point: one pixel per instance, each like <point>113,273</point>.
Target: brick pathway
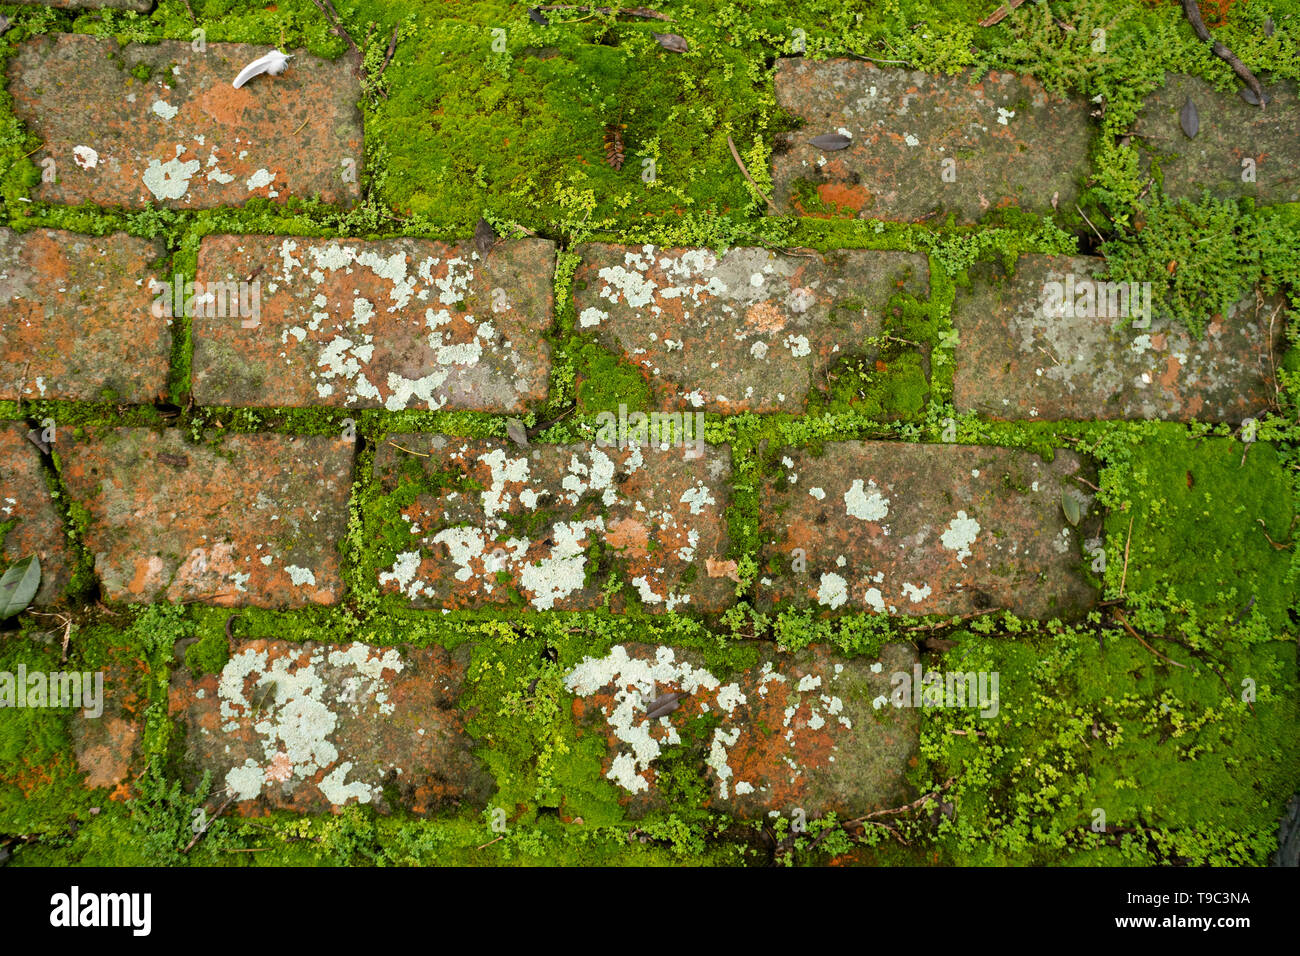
<point>632,524</point>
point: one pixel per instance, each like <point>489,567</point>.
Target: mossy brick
<point>78,321</point>
<point>1002,140</point>
<point>1056,341</point>
<point>747,330</point>
<point>1239,150</point>
<point>29,522</point>
<point>399,323</point>
<point>311,727</point>
<point>108,746</point>
<point>910,529</point>
<point>254,520</point>
<point>806,731</point>
<point>184,137</point>
<point>475,523</point>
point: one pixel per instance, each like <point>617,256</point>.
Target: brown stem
<point>1193,14</point>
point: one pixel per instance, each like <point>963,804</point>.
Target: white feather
<point>273,63</point>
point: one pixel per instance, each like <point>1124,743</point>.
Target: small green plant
<point>18,586</point>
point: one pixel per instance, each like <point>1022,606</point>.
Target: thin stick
<point>1088,221</point>
<point>211,820</point>
<point>388,57</point>
<point>1000,14</point>
<point>1193,14</point>
<point>327,8</point>
<point>735,154</point>
<point>407,450</point>
<point>1119,616</point>
<point>490,842</point>
<point>253,849</point>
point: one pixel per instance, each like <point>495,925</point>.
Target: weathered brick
<point>107,746</point>
<point>1020,358</point>
<point>78,320</point>
<point>910,529</point>
<point>29,522</point>
<point>1013,143</point>
<point>751,330</point>
<point>255,520</point>
<point>485,524</point>
<point>1231,131</point>
<point>308,727</point>
<point>396,323</point>
<point>803,731</point>
<point>185,137</point>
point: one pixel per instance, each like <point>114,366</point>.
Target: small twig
<point>952,622</point>
<point>207,823</point>
<point>327,9</point>
<point>966,733</point>
<point>1085,481</point>
<point>490,842</point>
<point>1088,221</point>
<point>1119,616</point>
<point>1277,545</point>
<point>388,57</point>
<point>1000,14</point>
<point>1193,14</point>
<point>407,450</point>
<point>251,849</point>
<point>735,154</point>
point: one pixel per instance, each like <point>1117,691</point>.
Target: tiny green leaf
<point>1070,505</point>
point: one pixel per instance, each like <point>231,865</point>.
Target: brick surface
<point>1020,358</point>
<point>1014,144</point>
<point>77,321</point>
<point>802,731</point>
<point>29,522</point>
<point>309,727</point>
<point>485,524</point>
<point>255,520</point>
<point>108,747</point>
<point>912,529</point>
<point>400,323</point>
<point>185,137</point>
<point>750,330</point>
<point>1231,131</point>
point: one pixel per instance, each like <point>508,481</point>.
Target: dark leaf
<point>1268,27</point>
<point>1190,119</point>
<point>518,434</point>
<point>18,586</point>
<point>665,705</point>
<point>614,149</point>
<point>4,24</point>
<point>829,142</point>
<point>538,17</point>
<point>671,42</point>
<point>485,237</point>
<point>1249,96</point>
<point>35,438</point>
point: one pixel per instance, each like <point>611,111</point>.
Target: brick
<point>255,520</point>
<point>803,731</point>
<point>1231,132</point>
<point>1014,143</point>
<point>400,323</point>
<point>750,330</point>
<point>29,522</point>
<point>108,747</point>
<point>909,529</point>
<point>481,524</point>
<point>308,727</point>
<point>78,320</point>
<point>185,137</point>
<point>1020,359</point>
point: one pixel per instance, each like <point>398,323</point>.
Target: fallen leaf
<point>829,142</point>
<point>538,17</point>
<point>671,42</point>
<point>1249,96</point>
<point>517,432</point>
<point>1189,119</point>
<point>485,237</point>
